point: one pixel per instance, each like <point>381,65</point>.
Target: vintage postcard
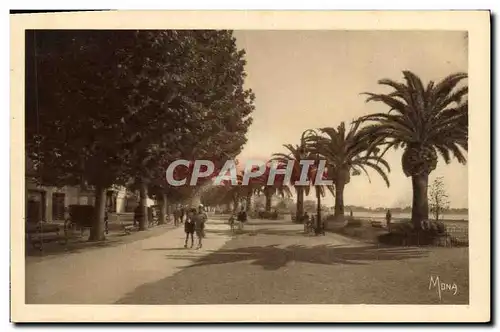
<point>268,166</point>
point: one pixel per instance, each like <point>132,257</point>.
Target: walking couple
<point>195,223</point>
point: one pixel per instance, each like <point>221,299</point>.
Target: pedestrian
<point>177,216</point>
<point>106,221</point>
<point>189,227</point>
<point>200,219</point>
<point>388,217</point>
<point>242,218</point>
<point>305,220</point>
<point>312,222</point>
<point>182,213</point>
<point>137,215</point>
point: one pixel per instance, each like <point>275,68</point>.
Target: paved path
<point>271,262</point>
<point>104,275</point>
<point>274,263</point>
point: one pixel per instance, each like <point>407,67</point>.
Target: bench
<point>41,233</point>
<point>377,224</point>
<point>127,229</point>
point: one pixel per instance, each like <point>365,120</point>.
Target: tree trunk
<point>97,230</point>
<point>163,209</point>
<point>299,210</point>
<point>269,198</point>
<point>248,202</point>
<point>195,199</point>
<point>318,211</point>
<point>235,204</point>
<point>339,201</point>
<point>143,222</point>
<point>420,207</point>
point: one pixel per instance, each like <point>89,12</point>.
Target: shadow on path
<point>272,257</point>
<point>261,231</point>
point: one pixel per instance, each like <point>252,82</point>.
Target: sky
<point>312,79</point>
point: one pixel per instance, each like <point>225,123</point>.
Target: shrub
<point>405,227</point>
<point>404,234</point>
<point>351,222</point>
<point>329,218</point>
<point>268,215</point>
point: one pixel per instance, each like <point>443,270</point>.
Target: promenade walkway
<point>104,275</point>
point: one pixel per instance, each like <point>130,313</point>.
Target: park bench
<point>128,229</point>
<point>377,224</point>
<point>37,234</point>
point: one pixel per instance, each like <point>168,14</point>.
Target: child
<point>231,223</point>
<point>189,227</point>
<point>242,217</point>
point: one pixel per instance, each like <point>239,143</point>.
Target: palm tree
<point>348,152</point>
<point>253,187</point>
<point>278,187</point>
<point>296,153</point>
<point>269,191</point>
<point>427,121</point>
<point>320,191</point>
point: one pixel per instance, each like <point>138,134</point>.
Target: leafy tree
<point>347,153</point>
<point>209,74</point>
<point>425,121</point>
<point>117,105</point>
<point>73,117</point>
<point>438,198</point>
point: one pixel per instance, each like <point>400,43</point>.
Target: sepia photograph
<point>228,164</point>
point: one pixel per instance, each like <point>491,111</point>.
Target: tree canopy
<point>114,107</point>
<point>106,106</point>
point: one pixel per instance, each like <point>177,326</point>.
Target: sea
<point>402,216</point>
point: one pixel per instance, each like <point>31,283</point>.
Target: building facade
<point>48,204</point>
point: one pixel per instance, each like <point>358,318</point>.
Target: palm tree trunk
<point>420,207</point>
<point>235,203</point>
<point>318,211</point>
<point>248,202</point>
<point>299,211</point>
<point>339,201</point>
<point>269,198</point>
<point>97,230</point>
<point>163,209</point>
<point>143,222</point>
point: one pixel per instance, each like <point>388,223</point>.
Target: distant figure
<point>106,221</point>
<point>177,215</point>
<point>388,217</point>
<point>183,212</point>
<point>320,229</point>
<point>425,225</point>
<point>200,219</point>
<point>231,222</point>
<point>305,220</point>
<point>350,213</point>
<point>242,218</point>
<point>137,215</point>
<point>189,227</point>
